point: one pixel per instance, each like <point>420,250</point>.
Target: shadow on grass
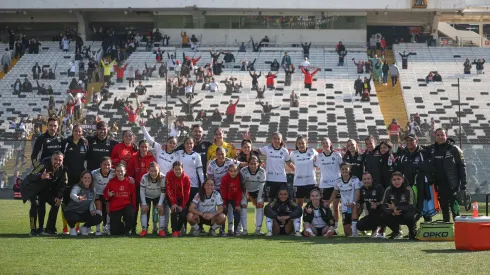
<point>444,251</point>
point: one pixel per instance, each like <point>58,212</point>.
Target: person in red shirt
<point>231,111</point>
<point>270,80</point>
<point>122,152</point>
<point>138,165</point>
<point>309,77</point>
<point>121,195</point>
<point>231,192</point>
<point>394,130</point>
<point>132,114</point>
<point>178,187</point>
<point>120,72</point>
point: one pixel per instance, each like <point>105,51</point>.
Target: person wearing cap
<point>413,163</point>
<point>449,172</point>
<point>99,146</point>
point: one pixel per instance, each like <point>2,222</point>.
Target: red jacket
<point>132,115</point>
<point>383,43</point>
<point>177,188</point>
<point>125,194</point>
<point>309,76</point>
<point>123,152</point>
<point>120,71</point>
<point>231,190</point>
<point>270,79</point>
<point>138,166</point>
<point>231,110</point>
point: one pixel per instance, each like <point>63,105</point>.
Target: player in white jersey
<point>206,208</point>
<point>253,180</point>
<point>348,186</point>
<point>218,167</point>
<point>304,175</point>
<point>165,155</point>
<point>329,163</point>
<point>152,191</point>
<point>276,157</point>
<point>192,164</point>
<point>101,177</point>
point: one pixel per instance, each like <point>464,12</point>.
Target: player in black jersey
<point>47,143</point>
<point>99,146</point>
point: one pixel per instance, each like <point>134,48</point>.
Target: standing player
<point>354,158</point>
<point>177,186</point>
<point>124,150</point>
<point>47,143</point>
<point>165,155</point>
<point>192,165</point>
<point>304,176</point>
<point>348,186</point>
<point>220,142</point>
<point>206,208</point>
<point>152,191</point>
<point>200,146</point>
<point>276,157</point>
<point>253,180</point>
<point>231,192</point>
<point>99,146</point>
<point>329,163</point>
<point>101,177</point>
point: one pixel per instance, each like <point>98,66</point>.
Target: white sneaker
<point>84,231</point>
<point>380,236</point>
<point>298,234</point>
<point>73,232</point>
<point>269,234</point>
<point>244,233</point>
<point>98,233</point>
<point>196,233</point>
<point>354,234</point>
<point>106,229</point>
<point>257,232</point>
<point>212,233</point>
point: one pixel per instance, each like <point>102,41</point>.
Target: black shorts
<point>282,229</point>
<point>203,221</point>
<point>327,193</point>
<point>302,192</point>
<point>271,188</point>
<point>254,195</point>
<point>100,198</point>
<point>346,218</point>
<point>149,201</point>
<point>319,230</point>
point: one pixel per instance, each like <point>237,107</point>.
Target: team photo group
<point>176,189</point>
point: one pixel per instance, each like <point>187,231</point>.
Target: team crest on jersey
<point>309,155</point>
<point>282,153</point>
<point>143,165</point>
<point>359,158</point>
<point>374,193</point>
<point>212,200</point>
<point>333,158</point>
<point>171,157</point>
<point>193,158</point>
<point>121,188</point>
<point>203,146</point>
<point>48,141</point>
<point>82,149</point>
<point>402,198</point>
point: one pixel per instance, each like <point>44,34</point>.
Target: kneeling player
<point>348,186</point>
<point>253,178</point>
<point>282,215</point>
<point>206,208</point>
<point>152,191</point>
<point>370,197</point>
<point>317,217</point>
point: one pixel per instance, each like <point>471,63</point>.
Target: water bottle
<point>155,215</point>
<point>475,209</point>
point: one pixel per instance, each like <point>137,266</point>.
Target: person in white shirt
<point>175,129</point>
<point>329,163</point>
<point>213,86</point>
<point>305,63</point>
<point>152,191</point>
<point>348,186</point>
<point>192,164</point>
<point>304,175</point>
<point>276,157</point>
<point>253,180</point>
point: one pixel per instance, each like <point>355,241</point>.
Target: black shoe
<point>395,235</point>
<point>49,232</point>
<point>427,219</point>
<point>34,232</point>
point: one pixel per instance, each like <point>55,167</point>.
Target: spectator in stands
<point>189,89</point>
<point>229,58</point>
<point>260,92</point>
<point>275,65</point>
<point>36,71</point>
<point>394,73</point>
<point>250,65</point>
<point>309,77</point>
<point>365,96</point>
<point>358,86</point>
<point>185,39</point>
<point>265,40</point>
<point>65,43</point>
<point>372,45</point>
<point>340,48</point>
<point>231,111</point>
<point>383,47</point>
<point>256,46</point>
<point>385,69</point>
<point>405,57</point>
<point>162,70</point>
<point>367,84</point>
<point>467,66</point>
<point>72,68</point>
<point>286,61</point>
<point>149,70</point>
<point>44,74</point>
<point>6,60</point>
<point>41,90</point>
<point>255,78</point>
<point>201,116</point>
<point>216,116</point>
<point>412,127</point>
<point>360,66</point>
<point>479,65</point>
<point>377,70</point>
<point>342,55</point>
<point>78,43</point>
<point>266,108</point>
<point>74,85</point>
<point>394,131</point>
<point>213,85</point>
<point>306,49</point>
<point>437,77</point>
<point>4,179</point>
<point>188,107</point>
<point>270,80</point>
<point>131,76</point>
<point>305,64</point>
<point>294,99</point>
<point>51,107</point>
<point>120,72</point>
<point>429,78</point>
<point>51,74</point>
<point>17,87</point>
<point>11,34</point>
<point>18,49</point>
<point>140,89</point>
<point>132,113</point>
<point>107,69</point>
<point>120,57</point>
<point>26,86</point>
<point>194,43</point>
<point>289,72</point>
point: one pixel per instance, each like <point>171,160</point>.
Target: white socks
<point>144,220</point>
<point>108,219</point>
<point>215,226</point>
<point>354,228</point>
<point>161,222</point>
<point>243,218</point>
<point>195,227</point>
<point>166,212</point>
<point>336,225</point>
<point>268,224</point>
<point>259,216</point>
<point>97,227</point>
<point>297,224</point>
